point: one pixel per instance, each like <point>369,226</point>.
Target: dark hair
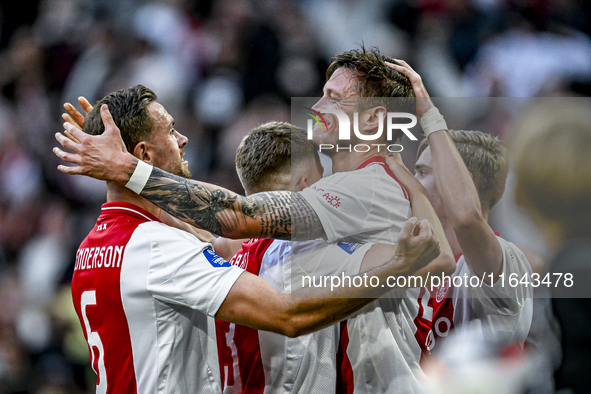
<point>373,79</point>
<point>268,152</point>
<point>128,108</point>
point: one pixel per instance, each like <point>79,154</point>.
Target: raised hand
<point>423,101</point>
<point>73,116</point>
<point>101,156</point>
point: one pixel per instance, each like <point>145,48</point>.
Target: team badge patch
<point>442,291</point>
<point>214,259</point>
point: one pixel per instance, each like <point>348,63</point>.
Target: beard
<point>182,172</point>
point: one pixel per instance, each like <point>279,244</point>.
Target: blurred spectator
<point>553,172</point>
<point>534,56</point>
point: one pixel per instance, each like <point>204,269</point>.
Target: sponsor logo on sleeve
<point>333,200</point>
<point>215,260</point>
<point>349,247</point>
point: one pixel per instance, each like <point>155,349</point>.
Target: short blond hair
<point>268,153</point>
<point>551,151</point>
<point>486,159</point>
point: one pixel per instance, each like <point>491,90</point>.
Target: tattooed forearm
<point>287,215</point>
<point>281,215</point>
<point>190,201</point>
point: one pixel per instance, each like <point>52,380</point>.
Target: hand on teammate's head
<point>98,156</point>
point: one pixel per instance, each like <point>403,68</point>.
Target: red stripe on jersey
<point>443,315</point>
<point>382,161</point>
<point>443,308</point>
<point>424,335</point>
<point>239,345</point>
<point>96,295</point>
<point>345,381</point>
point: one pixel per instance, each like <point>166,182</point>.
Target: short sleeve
<point>515,264</point>
<point>359,205</point>
<point>185,271</point>
<point>501,310</point>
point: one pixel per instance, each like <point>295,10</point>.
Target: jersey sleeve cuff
<point>316,205</point>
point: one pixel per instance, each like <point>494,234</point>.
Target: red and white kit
<point>500,312</point>
<point>145,293</point>
<point>382,345</point>
<point>254,361</point>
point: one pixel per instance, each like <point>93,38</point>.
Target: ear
<point>372,118</point>
<point>142,152</point>
<point>301,183</point>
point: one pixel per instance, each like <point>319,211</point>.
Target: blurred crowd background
<point>221,67</point>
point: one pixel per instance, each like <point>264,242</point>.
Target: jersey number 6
<point>94,341</point>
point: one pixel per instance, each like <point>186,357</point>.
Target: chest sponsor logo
<point>215,260</point>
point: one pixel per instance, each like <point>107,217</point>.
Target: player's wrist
<point>139,176</point>
<point>432,121</point>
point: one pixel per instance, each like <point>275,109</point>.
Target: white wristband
<point>139,177</point>
<point>432,121</point>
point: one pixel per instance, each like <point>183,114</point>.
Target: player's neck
<point>118,193</point>
<point>345,161</point>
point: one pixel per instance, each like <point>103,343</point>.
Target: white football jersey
<point>145,293</point>
<point>368,204</point>
<point>381,346</point>
<point>503,311</point>
<point>263,362</point>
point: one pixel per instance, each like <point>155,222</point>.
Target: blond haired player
<point>464,173</point>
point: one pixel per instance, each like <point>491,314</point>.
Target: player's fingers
<point>67,142</point>
<point>66,156</point>
<point>407,228</point>
<point>76,116</point>
<point>394,158</point>
<point>72,170</point>
<point>405,64</point>
<point>86,106</point>
<point>66,117</point>
<point>70,136</point>
<point>110,126</point>
<point>423,229</point>
<point>75,132</point>
<point>390,64</point>
<point>403,68</point>
<point>406,70</point>
<point>69,119</point>
<point>396,67</point>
